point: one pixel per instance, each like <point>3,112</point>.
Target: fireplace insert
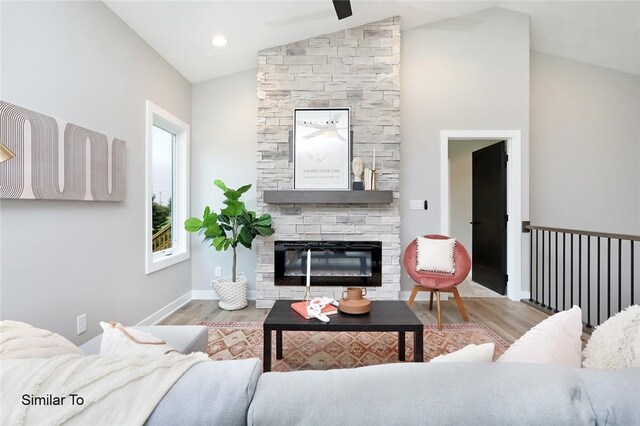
<point>333,263</point>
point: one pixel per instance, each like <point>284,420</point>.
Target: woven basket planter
<point>233,295</point>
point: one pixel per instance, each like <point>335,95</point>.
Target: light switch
<point>418,204</point>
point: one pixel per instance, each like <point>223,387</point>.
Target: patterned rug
<point>313,350</point>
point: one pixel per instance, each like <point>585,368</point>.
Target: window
<point>163,177</point>
<point>167,191</point>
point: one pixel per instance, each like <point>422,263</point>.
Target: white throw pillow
<point>435,255</point>
<point>616,342</point>
<point>470,353</point>
<point>556,340</point>
<point>118,340</point>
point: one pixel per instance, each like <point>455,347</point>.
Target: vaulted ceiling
<point>600,33</point>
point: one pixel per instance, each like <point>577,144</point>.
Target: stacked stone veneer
<point>356,68</point>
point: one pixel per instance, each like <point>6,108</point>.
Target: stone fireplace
<point>356,68</point>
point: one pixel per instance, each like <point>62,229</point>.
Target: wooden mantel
<point>332,197</point>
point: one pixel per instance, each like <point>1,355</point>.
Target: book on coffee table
<point>301,309</point>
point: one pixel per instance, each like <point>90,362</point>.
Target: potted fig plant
<point>232,226</point>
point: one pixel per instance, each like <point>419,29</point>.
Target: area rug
<point>313,350</point>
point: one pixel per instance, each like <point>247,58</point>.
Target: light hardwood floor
<point>507,318</point>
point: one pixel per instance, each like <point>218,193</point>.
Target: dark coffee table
<point>394,316</point>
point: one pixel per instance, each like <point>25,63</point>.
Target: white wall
<point>585,146</point>
<point>79,62</point>
<point>461,189</point>
<point>467,73</point>
<point>223,146</point>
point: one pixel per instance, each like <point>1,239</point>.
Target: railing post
<point>588,281</point>
<point>557,304</point>
<point>564,271</point>
<point>542,299</point>
<point>571,236</point>
<point>537,270</point>
<point>633,299</point>
<point>549,280</point>
<point>598,285</point>
<point>619,275</point>
<point>530,267</point>
<point>580,271</point>
<point>608,277</point>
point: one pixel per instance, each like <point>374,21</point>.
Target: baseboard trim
<point>161,314</point>
<point>211,295</point>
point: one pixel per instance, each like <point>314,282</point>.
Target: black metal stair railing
<point>594,270</point>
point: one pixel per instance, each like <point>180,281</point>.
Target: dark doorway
<point>489,205</point>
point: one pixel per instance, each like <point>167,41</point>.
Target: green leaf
<point>207,211</point>
<point>232,195</point>
<point>264,220</point>
<point>212,230</point>
<point>245,236</point>
<point>265,231</point>
<point>193,224</point>
<point>210,219</point>
<point>234,208</point>
<point>219,242</point>
<point>243,189</point>
<point>223,218</point>
<point>220,184</point>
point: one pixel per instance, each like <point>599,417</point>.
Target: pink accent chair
<point>437,282</point>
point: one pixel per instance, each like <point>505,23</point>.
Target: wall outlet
<point>218,271</point>
<point>81,323</point>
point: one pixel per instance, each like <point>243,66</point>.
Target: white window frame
<point>180,250</point>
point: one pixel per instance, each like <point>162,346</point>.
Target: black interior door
<point>489,191</point>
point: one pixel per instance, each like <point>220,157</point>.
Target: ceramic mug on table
<point>354,293</point>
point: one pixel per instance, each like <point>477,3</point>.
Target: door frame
<point>513,143</point>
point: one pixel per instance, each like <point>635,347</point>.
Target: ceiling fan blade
<point>343,8</point>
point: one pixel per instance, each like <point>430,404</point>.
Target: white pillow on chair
<point>435,255</point>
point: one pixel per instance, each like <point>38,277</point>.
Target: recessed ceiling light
<point>219,41</point>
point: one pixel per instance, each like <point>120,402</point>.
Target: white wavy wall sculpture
<point>86,166</point>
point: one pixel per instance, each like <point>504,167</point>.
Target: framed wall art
<point>321,149</point>
<point>57,160</point>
